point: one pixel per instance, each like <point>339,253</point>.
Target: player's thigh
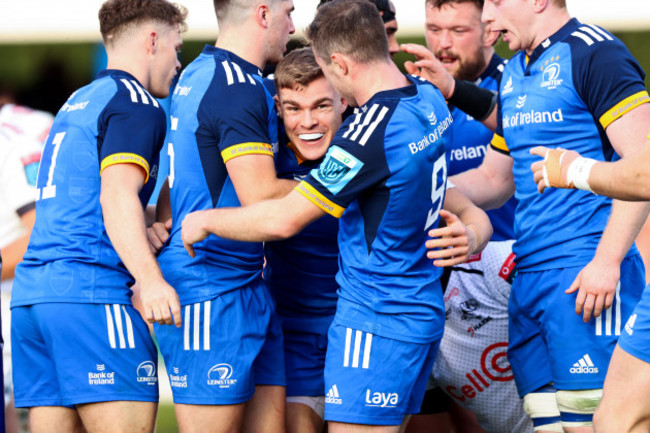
<point>338,427</point>
<point>373,380</point>
<point>54,419</point>
<point>265,412</point>
<point>624,406</point>
<point>305,414</point>
<point>118,416</point>
<point>211,358</point>
<point>194,418</point>
<point>59,363</point>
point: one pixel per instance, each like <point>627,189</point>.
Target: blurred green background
<point>43,76</point>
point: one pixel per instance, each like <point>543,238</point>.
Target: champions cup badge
<point>334,168</point>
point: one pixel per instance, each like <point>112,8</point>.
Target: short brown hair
<point>299,67</point>
<point>479,3</point>
<point>115,16</point>
<point>351,27</point>
<point>437,4</point>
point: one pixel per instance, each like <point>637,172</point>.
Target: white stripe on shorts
<point>129,328</point>
<point>206,324</point>
<point>110,327</point>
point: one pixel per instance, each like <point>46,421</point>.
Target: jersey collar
<point>560,35</point>
<point>248,67</point>
<point>402,92</point>
<point>491,69</point>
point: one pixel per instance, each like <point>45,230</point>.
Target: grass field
<point>166,422</point>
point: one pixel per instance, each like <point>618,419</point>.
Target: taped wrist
<point>473,100</point>
<point>578,173</point>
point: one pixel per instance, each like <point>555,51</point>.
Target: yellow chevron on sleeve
<point>125,158</point>
<point>319,200</point>
<point>625,106</point>
<point>246,149</point>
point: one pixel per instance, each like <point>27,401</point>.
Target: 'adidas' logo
<point>584,366</point>
<point>332,396</point>
<point>508,88</point>
<point>629,326</point>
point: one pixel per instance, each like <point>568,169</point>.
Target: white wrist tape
<point>578,173</point>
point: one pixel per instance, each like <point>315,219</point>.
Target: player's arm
<point>125,225</point>
<point>255,179</point>
<point>160,224</point>
<point>13,253</point>
<point>625,179</point>
<point>473,100</point>
<point>263,221</point>
<point>467,231</point>
<point>596,283</point>
<point>489,185</point>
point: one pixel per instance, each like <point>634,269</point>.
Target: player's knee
<point>577,407</point>
<point>542,408</point>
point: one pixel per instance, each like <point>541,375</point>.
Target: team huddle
<point>319,252</point>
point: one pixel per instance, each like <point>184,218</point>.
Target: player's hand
<point>159,303</point>
<point>452,244</point>
<point>552,171</point>
<point>193,230</point>
<point>157,235</point>
<point>430,68</point>
<point>596,285</point>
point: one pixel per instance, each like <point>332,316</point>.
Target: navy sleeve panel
<point>131,131</point>
<point>244,119</point>
<point>355,162</point>
<point>604,71</point>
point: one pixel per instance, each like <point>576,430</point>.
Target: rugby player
<point>83,357</point>
<point>300,271</point>
<point>226,365</point>
<point>568,242</point>
<point>389,315</point>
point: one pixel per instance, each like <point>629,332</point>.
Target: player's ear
<point>490,36</point>
<point>540,5</point>
<point>344,104</point>
<point>278,106</point>
<point>340,62</point>
<point>262,15</point>
<point>152,42</point>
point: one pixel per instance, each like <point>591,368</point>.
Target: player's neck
<point>125,62</point>
<point>243,45</point>
<point>547,25</point>
<point>377,77</point>
<point>488,53</point>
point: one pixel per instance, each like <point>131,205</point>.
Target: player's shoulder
<point>588,41</point>
<point>123,94</point>
<point>232,74</point>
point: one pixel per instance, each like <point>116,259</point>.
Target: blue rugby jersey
<point>220,110</point>
<point>565,95</point>
<point>300,271</point>
<point>70,258</point>
<point>468,142</point>
<point>386,168</point>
